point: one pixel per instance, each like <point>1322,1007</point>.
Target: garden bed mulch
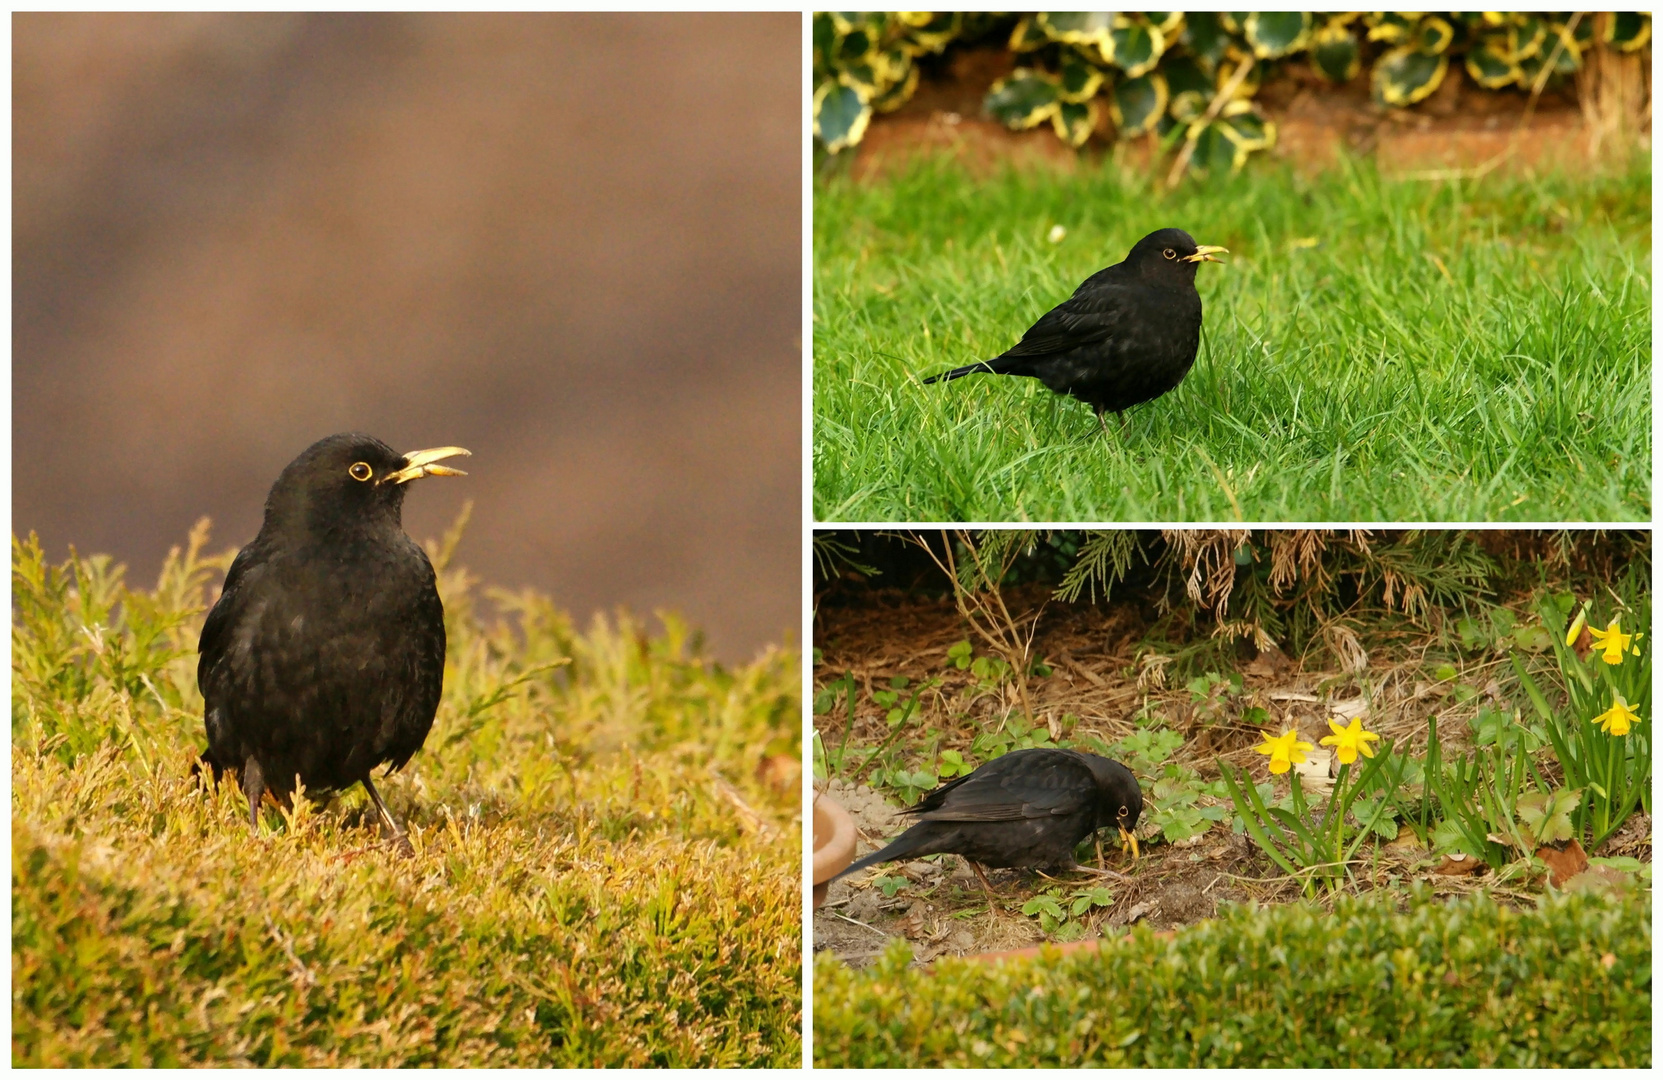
<point>1099,676</point>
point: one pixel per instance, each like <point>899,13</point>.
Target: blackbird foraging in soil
<point>1127,335</point>
<point>1029,808</point>
<point>324,656</point>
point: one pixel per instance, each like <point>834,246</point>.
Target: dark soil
<point>1461,126</point>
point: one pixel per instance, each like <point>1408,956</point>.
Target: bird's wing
<point>420,644</point>
<point>223,632</point>
<point>1092,315</point>
<point>217,629</point>
<point>1053,786</point>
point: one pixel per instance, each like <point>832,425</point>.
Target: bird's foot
<point>254,788</point>
<point>1100,872</point>
<point>389,826</point>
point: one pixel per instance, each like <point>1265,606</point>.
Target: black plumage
<point>1028,808</point>
<point>324,656</point>
<point>1127,335</point>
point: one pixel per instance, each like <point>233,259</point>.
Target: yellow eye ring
<point>1169,253</point>
<point>360,471</point>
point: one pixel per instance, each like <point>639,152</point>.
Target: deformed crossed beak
<point>419,463</point>
<point>1127,838</point>
<point>1205,253</point>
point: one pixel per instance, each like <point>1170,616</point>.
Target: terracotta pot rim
<point>1060,947</point>
<point>834,838</point>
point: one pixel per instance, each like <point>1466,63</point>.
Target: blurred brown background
<point>570,243</point>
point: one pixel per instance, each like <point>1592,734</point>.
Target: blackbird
<point>324,656</point>
<point>1127,335</point>
<point>1028,808</point>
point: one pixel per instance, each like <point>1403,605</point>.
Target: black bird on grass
<point>1127,335</point>
<point>324,656</point>
<point>1028,808</point>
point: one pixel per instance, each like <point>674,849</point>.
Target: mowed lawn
<point>1375,350</point>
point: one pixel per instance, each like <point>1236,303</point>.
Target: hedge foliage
<point>1441,984</point>
<point>606,867</point>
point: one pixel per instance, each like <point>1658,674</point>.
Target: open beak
<point>419,463</point>
<point>1127,838</point>
<point>1205,253</point>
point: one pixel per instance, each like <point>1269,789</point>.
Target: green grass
<point>606,868</point>
<point>1451,351</point>
<point>1459,984</point>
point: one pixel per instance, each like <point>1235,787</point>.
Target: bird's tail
<point>899,848</point>
<point>999,365</point>
<point>216,770</point>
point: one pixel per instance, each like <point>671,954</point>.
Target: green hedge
<point>603,873</point>
<point>1442,984</point>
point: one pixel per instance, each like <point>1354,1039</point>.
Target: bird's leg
<point>987,886</point>
<point>1100,863</point>
<point>389,827</point>
<point>254,786</point>
<point>1101,422</point>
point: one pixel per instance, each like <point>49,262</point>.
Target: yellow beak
<point>1127,838</point>
<point>419,463</point>
<point>1205,253</point>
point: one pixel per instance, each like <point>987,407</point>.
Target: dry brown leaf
<point>1564,862</point>
<point>1456,864</point>
<point>1404,841</point>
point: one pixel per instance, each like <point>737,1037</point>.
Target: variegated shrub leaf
<point>1137,46</point>
<point>1335,54</point>
<point>1275,34</point>
<point>1137,104</point>
<point>1490,64</point>
<point>840,116</point>
<point>1024,99</point>
<point>1406,75</point>
<point>1073,121</point>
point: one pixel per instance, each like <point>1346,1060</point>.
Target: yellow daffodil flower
<point>1284,751</point>
<point>1612,642</point>
<point>1618,718</point>
<point>1347,741</point>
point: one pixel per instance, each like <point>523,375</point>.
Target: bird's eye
<point>1169,253</point>
<point>360,471</point>
<point>1124,811</point>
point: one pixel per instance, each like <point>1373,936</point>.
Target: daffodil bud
<point>1576,626</point>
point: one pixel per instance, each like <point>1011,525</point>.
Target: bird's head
<point>348,482</point>
<point>1170,255</point>
<point>1119,798</point>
